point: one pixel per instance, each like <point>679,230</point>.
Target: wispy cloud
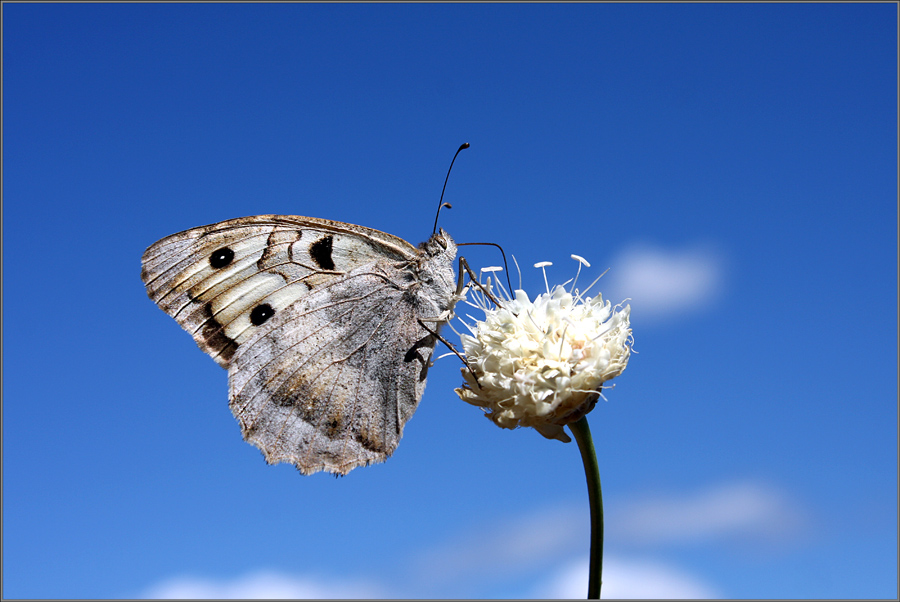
<point>739,510</point>
<point>262,585</point>
<point>530,553</point>
<point>624,579</point>
<point>506,548</point>
<point>627,579</point>
<point>662,283</point>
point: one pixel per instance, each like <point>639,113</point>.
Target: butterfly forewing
<point>210,279</point>
<point>318,323</point>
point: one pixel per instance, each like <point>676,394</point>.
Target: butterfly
<point>327,329</point>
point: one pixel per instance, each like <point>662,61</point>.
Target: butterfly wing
<point>318,324</point>
<point>223,281</point>
<point>330,385</point>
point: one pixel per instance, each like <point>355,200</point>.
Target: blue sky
<point>735,166</point>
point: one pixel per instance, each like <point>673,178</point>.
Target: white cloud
<point>509,547</point>
<point>663,283</point>
<point>744,509</point>
<point>627,579</point>
<point>621,579</point>
<point>521,549</point>
<point>261,585</point>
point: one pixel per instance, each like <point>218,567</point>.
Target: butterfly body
<point>321,325</point>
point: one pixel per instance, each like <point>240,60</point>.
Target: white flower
<point>542,363</point>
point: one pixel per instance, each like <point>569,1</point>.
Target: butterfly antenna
<point>493,244</point>
<point>441,203</point>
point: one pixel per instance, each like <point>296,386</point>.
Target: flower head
<point>542,363</point>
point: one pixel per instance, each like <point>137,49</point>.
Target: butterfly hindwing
<point>330,385</point>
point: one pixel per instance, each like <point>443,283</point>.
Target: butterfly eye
<point>221,257</point>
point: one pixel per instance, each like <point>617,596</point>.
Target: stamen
<point>518,270</point>
<point>581,261</point>
<point>581,295</point>
<point>451,327</point>
<point>542,265</point>
<point>562,339</point>
<point>503,294</point>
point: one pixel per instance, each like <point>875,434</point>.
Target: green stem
<point>582,433</point>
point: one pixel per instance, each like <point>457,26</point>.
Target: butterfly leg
<point>464,266</point>
<point>460,288</point>
<point>451,348</point>
<point>460,283</point>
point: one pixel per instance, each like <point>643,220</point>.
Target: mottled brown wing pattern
<point>330,385</point>
<point>318,323</point>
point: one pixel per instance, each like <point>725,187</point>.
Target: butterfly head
<point>440,245</point>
